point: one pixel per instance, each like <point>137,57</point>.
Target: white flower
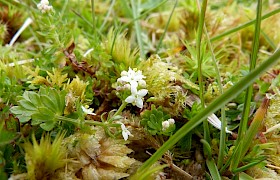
<point>166,124</point>
<point>131,76</point>
<point>133,80</point>
<point>88,110</point>
<point>43,6</point>
<point>125,132</point>
<point>171,121</point>
<point>136,98</point>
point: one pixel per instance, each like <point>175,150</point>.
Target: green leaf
<point>49,104</point>
<point>46,112</point>
<point>27,105</point>
<point>60,99</point>
<point>23,118</point>
<point>34,98</point>
<point>17,110</point>
<point>38,118</point>
<point>6,137</point>
<point>48,125</point>
<point>152,125</point>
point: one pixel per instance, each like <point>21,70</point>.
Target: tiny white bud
<point>165,125</point>
<point>118,88</point>
<point>127,86</point>
<point>124,73</point>
<point>142,83</point>
<point>171,121</point>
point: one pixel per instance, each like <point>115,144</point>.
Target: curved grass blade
<point>233,30</point>
<point>213,107</point>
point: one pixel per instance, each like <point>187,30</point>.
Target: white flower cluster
<point>166,124</point>
<point>133,80</point>
<point>43,6</point>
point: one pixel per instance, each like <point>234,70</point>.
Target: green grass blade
<point>223,113</point>
<point>149,172</point>
<point>249,92</point>
<point>199,68</point>
<point>93,17</point>
<point>166,27</point>
<point>254,127</point>
<point>247,166</point>
<point>144,14</point>
<point>107,15</point>
<point>135,13</point>
<point>213,107</point>
<point>244,176</point>
<point>215,38</point>
<point>268,40</point>
<point>207,148</point>
<point>126,9</point>
<point>213,169</point>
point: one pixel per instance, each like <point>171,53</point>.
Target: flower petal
<point>142,92</point>
<point>171,121</point>
<point>124,73</point>
<point>139,102</point>
<point>130,99</point>
<point>125,135</point>
<point>125,78</point>
<point>133,87</point>
<point>125,132</point>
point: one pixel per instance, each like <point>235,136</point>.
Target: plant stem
<point>223,113</point>
<point>89,122</point>
<point>199,69</point>
<point>66,119</point>
<point>121,108</point>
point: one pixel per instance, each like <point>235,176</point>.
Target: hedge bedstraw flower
<point>136,98</point>
<point>43,6</point>
<point>125,132</point>
<point>132,80</point>
<point>166,124</point>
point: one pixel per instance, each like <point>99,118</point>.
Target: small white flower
<point>165,125</point>
<point>136,98</point>
<point>127,86</point>
<point>133,80</point>
<point>131,76</point>
<point>125,132</point>
<point>142,83</point>
<point>171,121</point>
<point>43,6</point>
<point>88,110</point>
